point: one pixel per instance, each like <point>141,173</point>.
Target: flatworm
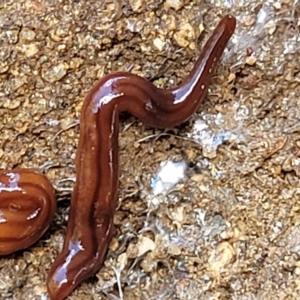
<point>94,199</point>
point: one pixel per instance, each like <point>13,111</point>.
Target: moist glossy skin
<point>27,207</point>
<point>94,199</point>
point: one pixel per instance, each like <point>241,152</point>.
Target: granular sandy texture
<point>231,228</point>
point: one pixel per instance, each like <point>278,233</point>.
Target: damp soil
<point>230,229</point>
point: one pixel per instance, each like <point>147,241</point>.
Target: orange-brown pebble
<point>27,207</point>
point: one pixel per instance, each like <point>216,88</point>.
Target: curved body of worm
<point>27,207</point>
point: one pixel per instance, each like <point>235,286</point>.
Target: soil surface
<point>230,228</point>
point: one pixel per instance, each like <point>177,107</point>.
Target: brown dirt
<point>230,230</point>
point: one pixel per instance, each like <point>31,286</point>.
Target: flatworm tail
<point>94,199</point>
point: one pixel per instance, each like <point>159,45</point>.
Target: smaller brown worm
<point>94,199</point>
<point>27,207</point>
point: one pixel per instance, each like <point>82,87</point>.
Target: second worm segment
<point>94,199</point>
<point>27,207</point>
